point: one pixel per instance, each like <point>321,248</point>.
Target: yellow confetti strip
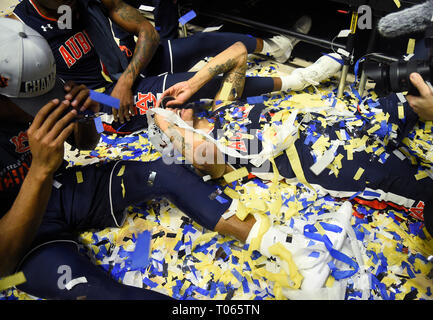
<point>236,175</point>
<point>123,189</point>
<point>225,91</point>
<point>410,46</point>
<point>121,171</point>
<point>358,174</point>
<point>421,175</point>
<point>79,175</point>
<point>12,281</point>
<point>400,112</point>
<point>295,277</point>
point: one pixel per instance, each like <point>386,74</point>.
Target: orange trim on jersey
<point>109,128</point>
<point>40,13</point>
<point>379,205</point>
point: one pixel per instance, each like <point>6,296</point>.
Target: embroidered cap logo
<point>3,82</point>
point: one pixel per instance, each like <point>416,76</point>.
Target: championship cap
<point>27,67</point>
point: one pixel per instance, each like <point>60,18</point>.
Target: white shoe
<point>280,47</point>
<point>310,257</point>
<point>324,68</point>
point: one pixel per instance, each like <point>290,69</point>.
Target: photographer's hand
<point>422,104</point>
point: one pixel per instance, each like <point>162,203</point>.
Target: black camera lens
<point>395,77</point>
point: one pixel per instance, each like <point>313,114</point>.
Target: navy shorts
<point>98,197</point>
<point>95,197</point>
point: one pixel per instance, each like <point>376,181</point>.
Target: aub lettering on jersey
<point>40,85</point>
<point>75,47</point>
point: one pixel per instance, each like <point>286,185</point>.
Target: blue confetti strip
<point>187,17</point>
<point>105,99</point>
<point>140,256</point>
<point>98,124</point>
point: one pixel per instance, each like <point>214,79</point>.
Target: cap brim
<point>34,104</point>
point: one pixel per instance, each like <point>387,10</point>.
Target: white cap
<point>27,67</point>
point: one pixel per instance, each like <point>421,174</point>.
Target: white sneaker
<point>310,257</point>
<point>324,68</point>
<point>280,47</point>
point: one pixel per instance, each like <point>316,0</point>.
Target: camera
<point>394,77</point>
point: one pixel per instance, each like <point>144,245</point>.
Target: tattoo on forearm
<point>222,68</point>
<point>237,78</point>
<point>146,41</point>
<point>128,13</point>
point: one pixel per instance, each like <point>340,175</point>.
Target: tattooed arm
<point>230,62</point>
<point>131,20</point>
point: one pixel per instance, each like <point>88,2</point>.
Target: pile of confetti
<point>161,249</point>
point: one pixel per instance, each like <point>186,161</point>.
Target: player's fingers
<point>115,115</point>
<point>90,104</point>
<point>54,116</point>
<point>61,124</point>
<point>43,113</point>
<point>75,89</point>
<point>80,97</point>
<point>64,134</point>
<point>69,85</point>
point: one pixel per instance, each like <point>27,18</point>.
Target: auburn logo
<point>21,142</point>
<point>418,211</point>
<point>3,82</point>
<point>144,101</point>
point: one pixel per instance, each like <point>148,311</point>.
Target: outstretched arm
<point>230,62</point>
<point>203,154</point>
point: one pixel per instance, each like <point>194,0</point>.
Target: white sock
<point>292,82</point>
<point>269,47</point>
<point>270,237</point>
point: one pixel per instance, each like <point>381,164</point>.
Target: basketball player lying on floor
<point>154,66</point>
<point>380,176</point>
<point>44,206</point>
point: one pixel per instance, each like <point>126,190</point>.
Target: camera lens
<point>379,73</point>
<point>400,73</point>
<point>394,77</point>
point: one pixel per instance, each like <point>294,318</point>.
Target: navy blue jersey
<point>74,53</point>
<point>15,159</point>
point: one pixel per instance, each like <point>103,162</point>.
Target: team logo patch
<point>3,82</point>
<point>21,142</point>
<point>418,211</point>
<point>145,101</point>
<point>236,142</point>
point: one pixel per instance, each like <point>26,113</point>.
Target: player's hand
<point>181,92</point>
<point>422,104</point>
<point>78,96</point>
<point>47,135</point>
<point>123,92</point>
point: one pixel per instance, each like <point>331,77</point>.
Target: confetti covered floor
<point>188,262</point>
